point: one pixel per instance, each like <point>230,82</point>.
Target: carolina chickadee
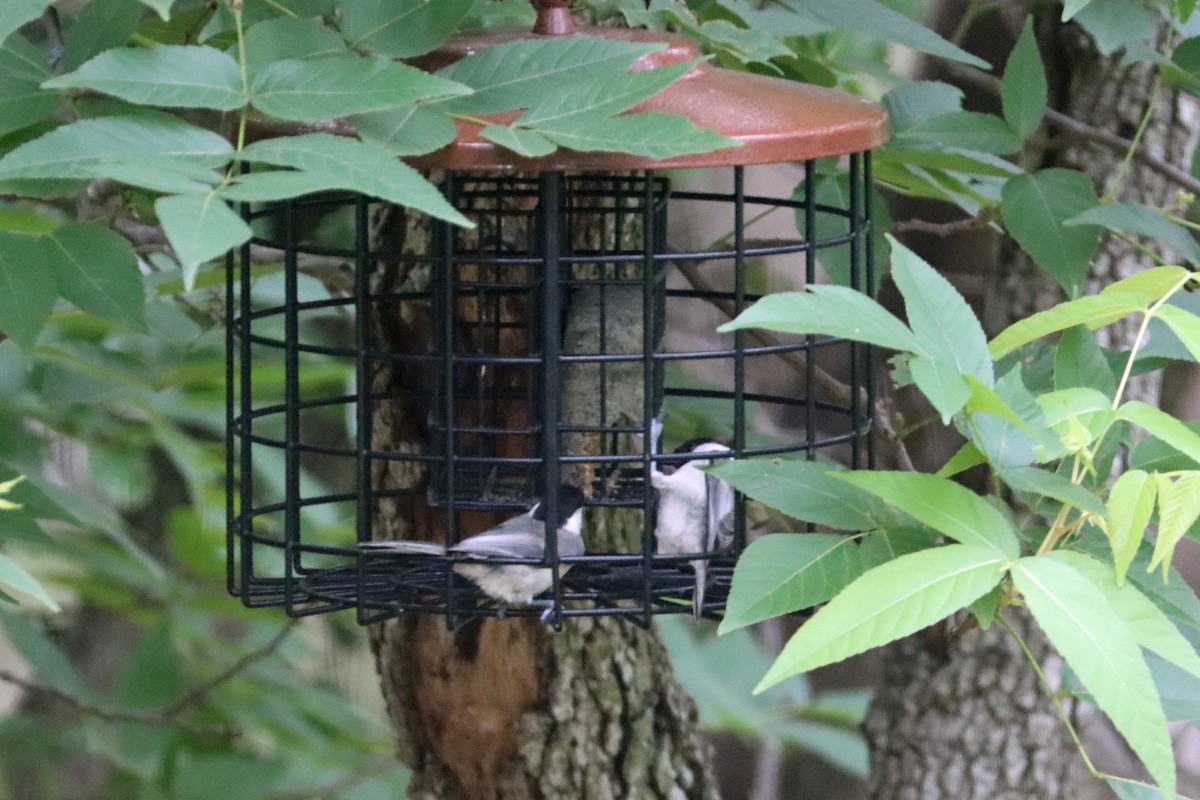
<point>695,510</point>
<point>520,537</point>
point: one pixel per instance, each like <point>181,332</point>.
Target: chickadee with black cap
<point>695,509</point>
<point>523,536</point>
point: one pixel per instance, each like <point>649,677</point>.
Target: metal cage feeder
<point>492,364</point>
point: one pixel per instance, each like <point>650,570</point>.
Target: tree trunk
<point>967,719</point>
<point>507,709</point>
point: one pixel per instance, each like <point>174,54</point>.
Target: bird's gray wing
<point>498,543</point>
<point>403,546</point>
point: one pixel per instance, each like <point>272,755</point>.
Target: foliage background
<point>132,673</point>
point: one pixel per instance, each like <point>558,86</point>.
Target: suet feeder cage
<point>493,364</point>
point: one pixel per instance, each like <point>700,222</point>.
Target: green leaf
<point>984,399</point>
<point>963,459</point>
<point>15,13</point>
<point>945,327</point>
<point>1073,7</point>
<point>1099,646</point>
<point>27,289</point>
<point>875,19</point>
<point>15,577</point>
<point>407,131</point>
<point>1066,408</point>
<point>987,607</point>
<point>887,603</point>
<point>400,28</point>
<point>1153,455</point>
<point>1116,25</point>
<point>1164,426</point>
<point>1094,311</point>
<point>943,505</point>
<point>829,310</point>
<point>177,76</point>
<point>530,144</point>
<point>1152,284</point>
<point>103,24</point>
<point>200,227</point>
<point>355,166</point>
<point>1136,218</point>
<point>1036,208</point>
<point>160,7</point>
<point>648,133</point>
<point>890,543</point>
<point>86,148</point>
<point>1023,88</point>
<point>968,130</point>
<point>22,100</point>
<point>278,184</point>
<point>1050,484</point>
<point>785,572</point>
<point>97,270</point>
<point>1149,625</point>
<point>1178,510</point>
<point>523,73</point>
<point>319,89</point>
<point>942,384</point>
<point>594,98</point>
<point>1130,506</point>
<point>1186,326</point>
<point>805,490</point>
<point>289,38</point>
<point>1135,790</point>
<point>1080,363</point>
<point>913,101</point>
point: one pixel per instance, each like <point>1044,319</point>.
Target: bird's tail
<point>701,568</point>
<point>403,546</point>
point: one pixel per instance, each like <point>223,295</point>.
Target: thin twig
<point>109,714</point>
<point>1180,177</point>
<point>940,229</point>
<point>170,715</point>
<point>199,692</point>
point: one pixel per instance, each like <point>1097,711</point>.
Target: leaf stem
<point>1062,712</point>
<point>1119,178</point>
<point>1137,341</point>
<point>241,42</point>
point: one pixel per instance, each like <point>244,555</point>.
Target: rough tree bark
<point>966,719</point>
<point>506,709</point>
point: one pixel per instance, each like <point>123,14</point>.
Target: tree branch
<point>1181,178</point>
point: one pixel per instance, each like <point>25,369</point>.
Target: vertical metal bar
<point>363,380</point>
<point>810,278</point>
<point>648,324</point>
<point>444,303</point>
<point>869,288</point>
<point>739,345</point>
<point>856,284</point>
<point>245,465</point>
<point>550,189</point>
<point>291,404</point>
<point>231,530</point>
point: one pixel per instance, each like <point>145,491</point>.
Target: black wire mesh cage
<point>426,381</point>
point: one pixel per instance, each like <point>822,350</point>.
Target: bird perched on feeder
<point>522,536</point>
<point>695,509</point>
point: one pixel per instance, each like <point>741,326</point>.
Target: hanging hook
<point>553,18</point>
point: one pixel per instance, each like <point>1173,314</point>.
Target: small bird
<point>523,536</point>
<point>695,510</point>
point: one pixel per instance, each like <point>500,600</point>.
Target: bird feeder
<point>491,365</point>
